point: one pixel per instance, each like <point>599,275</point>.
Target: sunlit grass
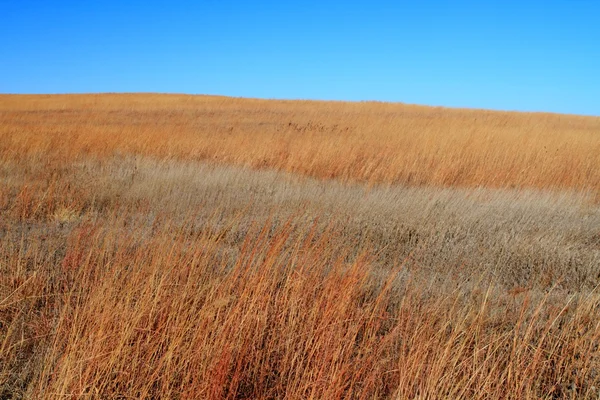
<point>369,142</point>
<point>453,254</point>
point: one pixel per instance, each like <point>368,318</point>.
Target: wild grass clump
<point>171,318</point>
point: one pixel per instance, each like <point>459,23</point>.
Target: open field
<point>368,142</point>
<point>165,246</point>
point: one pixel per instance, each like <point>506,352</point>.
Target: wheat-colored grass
<point>134,263</point>
<point>370,142</point>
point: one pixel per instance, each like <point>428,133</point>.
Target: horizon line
<point>316,100</point>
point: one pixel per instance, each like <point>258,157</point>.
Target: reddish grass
<point>109,294</point>
<point>171,319</point>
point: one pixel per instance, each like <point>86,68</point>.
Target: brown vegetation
<point>135,264</point>
<point>369,142</point>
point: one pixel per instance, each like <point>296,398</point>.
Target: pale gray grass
<point>523,238</point>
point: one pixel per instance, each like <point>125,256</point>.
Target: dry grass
<point>369,142</point>
<point>129,269</point>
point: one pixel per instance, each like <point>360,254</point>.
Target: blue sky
<point>512,55</point>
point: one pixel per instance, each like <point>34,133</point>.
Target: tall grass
<point>129,269</point>
<point>368,142</point>
<point>171,318</point>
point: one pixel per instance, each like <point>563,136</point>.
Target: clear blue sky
<point>516,55</point>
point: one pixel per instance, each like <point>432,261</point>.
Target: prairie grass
<point>366,142</point>
<point>147,253</point>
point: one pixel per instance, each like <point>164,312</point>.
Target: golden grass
<point>134,264</point>
<point>369,142</point>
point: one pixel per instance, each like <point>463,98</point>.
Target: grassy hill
<point>174,246</point>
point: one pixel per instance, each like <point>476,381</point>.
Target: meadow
<point>203,247</point>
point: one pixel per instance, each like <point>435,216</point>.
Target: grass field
<point>170,246</point>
